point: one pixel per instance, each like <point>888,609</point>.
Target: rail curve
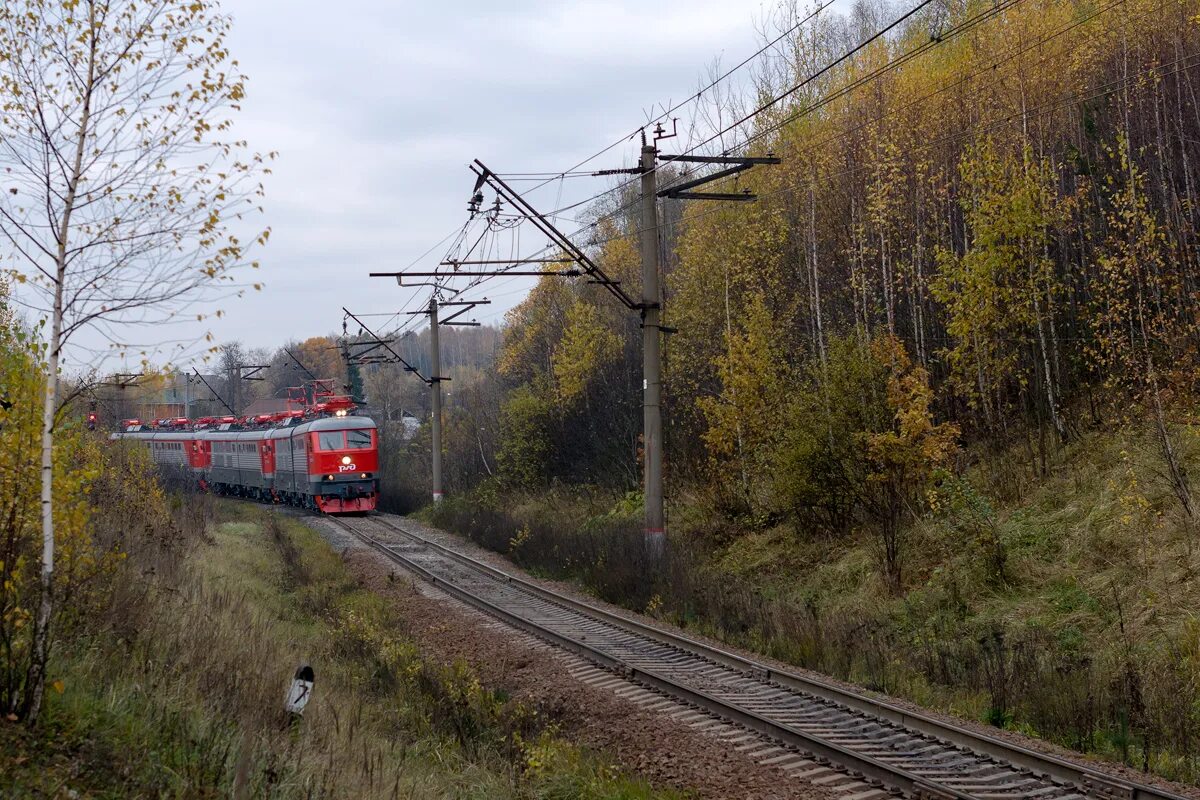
<point>881,743</point>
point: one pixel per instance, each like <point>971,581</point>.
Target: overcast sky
<point>377,106</point>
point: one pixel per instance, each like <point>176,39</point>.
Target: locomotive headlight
<point>345,459</point>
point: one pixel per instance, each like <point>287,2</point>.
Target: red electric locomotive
<point>323,458</point>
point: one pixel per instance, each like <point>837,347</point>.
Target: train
<point>324,457</point>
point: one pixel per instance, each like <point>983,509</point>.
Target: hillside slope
<point>1066,610</point>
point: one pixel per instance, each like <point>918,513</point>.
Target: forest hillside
<point>930,405</point>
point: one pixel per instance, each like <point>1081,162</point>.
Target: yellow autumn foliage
<point>587,347</point>
<point>86,486</point>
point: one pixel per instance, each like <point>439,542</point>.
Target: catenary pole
<point>235,377</point>
<point>435,389</point>
<point>652,441</point>
<point>650,306</point>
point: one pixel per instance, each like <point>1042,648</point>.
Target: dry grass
<point>181,692</point>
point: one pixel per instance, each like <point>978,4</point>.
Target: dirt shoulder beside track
<point>663,750</point>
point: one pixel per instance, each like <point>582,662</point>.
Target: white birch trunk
<point>35,684</point>
<point>36,680</point>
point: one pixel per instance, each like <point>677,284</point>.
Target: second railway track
<point>882,744</point>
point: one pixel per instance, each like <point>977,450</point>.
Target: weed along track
<point>882,747</point>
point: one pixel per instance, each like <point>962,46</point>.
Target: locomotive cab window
<point>330,440</point>
<point>358,440</point>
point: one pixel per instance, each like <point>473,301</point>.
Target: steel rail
<point>1089,781</point>
<point>876,772</point>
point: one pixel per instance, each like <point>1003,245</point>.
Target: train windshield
<point>342,440</point>
<point>330,440</point>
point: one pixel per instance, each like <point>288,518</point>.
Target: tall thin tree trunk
<point>1175,468</point>
<point>35,684</point>
<point>816,278</point>
<point>1186,210</point>
<point>1051,401</point>
<point>36,680</point>
<point>918,258</point>
<point>981,382</point>
<point>1054,346</point>
<point>745,478</point>
<point>889,289</point>
<point>815,298</point>
<point>860,314</point>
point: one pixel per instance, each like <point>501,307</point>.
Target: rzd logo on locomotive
<point>347,468</point>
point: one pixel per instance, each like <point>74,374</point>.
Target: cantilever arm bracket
<point>738,164</point>
<point>724,159</point>
<point>743,197</point>
<point>450,319</point>
<point>674,191</point>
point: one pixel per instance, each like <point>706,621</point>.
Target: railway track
<point>880,744</point>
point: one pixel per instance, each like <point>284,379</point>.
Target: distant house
<point>177,395</point>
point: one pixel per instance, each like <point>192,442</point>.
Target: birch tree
<point>126,199</point>
<point>1138,329</point>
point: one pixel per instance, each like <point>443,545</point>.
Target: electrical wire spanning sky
<point>377,108</point>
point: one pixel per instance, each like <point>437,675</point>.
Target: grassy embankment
<point>1063,606</point>
<point>181,692</point>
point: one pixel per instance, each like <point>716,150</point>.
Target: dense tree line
<point>993,245</point>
